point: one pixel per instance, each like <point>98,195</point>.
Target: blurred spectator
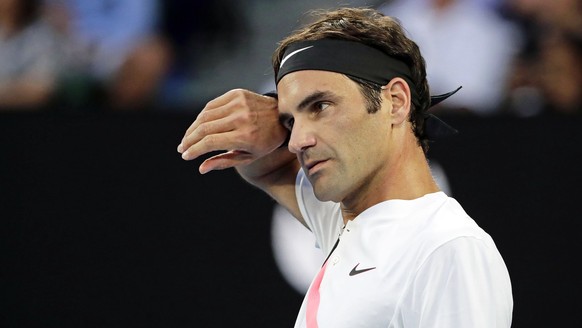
<point>547,74</point>
<point>465,43</point>
<point>32,55</point>
<point>121,56</point>
<point>560,69</point>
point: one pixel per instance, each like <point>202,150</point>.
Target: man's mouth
<point>313,166</point>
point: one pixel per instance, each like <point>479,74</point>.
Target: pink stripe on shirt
<point>313,299</point>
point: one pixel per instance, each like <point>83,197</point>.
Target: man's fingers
<point>215,109</point>
<point>206,116</point>
<point>225,160</point>
<point>224,98</point>
<point>213,142</point>
<point>205,129</point>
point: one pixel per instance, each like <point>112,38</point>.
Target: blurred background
<point>103,225</point>
<point>513,57</point>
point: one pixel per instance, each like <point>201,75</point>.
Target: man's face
<point>342,148</point>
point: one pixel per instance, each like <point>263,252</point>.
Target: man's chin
<point>325,194</point>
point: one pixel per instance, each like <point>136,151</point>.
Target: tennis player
<point>343,148</point>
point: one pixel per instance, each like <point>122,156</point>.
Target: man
<point>352,91</point>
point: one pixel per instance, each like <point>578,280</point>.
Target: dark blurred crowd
<point>106,54</point>
<point>546,74</point>
<point>515,57</point>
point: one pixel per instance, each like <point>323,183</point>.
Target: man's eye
<point>320,106</point>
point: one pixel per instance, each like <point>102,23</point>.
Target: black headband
<point>360,61</point>
<point>347,57</point>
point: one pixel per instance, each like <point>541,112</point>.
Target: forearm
<point>267,169</point>
<point>275,174</point>
<point>246,125</point>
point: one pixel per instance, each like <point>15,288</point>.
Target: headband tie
<point>360,61</point>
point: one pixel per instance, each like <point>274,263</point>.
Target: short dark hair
<point>370,27</point>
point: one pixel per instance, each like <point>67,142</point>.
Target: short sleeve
<point>463,283</point>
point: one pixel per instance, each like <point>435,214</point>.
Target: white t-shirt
<point>430,266</point>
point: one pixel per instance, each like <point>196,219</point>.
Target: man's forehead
<point>303,81</point>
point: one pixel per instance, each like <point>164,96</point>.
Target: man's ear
<point>398,92</point>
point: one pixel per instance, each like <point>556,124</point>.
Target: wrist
<point>285,143</point>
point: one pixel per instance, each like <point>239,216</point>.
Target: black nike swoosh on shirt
<point>355,271</point>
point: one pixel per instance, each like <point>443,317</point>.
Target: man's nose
<point>301,138</point>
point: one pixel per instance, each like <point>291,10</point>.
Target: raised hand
<point>243,124</point>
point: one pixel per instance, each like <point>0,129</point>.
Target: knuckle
<point>249,134</point>
<point>209,142</point>
<point>243,116</point>
<point>237,118</point>
<point>240,98</point>
<point>202,129</point>
<point>202,116</point>
<point>208,105</point>
<point>239,92</point>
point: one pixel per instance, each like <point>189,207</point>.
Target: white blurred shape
<point>440,177</point>
<point>294,250</point>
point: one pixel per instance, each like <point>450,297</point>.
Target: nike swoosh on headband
<point>292,54</point>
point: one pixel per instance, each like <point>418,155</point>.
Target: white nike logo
<point>292,54</point>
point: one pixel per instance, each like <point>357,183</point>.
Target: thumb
<point>225,161</point>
